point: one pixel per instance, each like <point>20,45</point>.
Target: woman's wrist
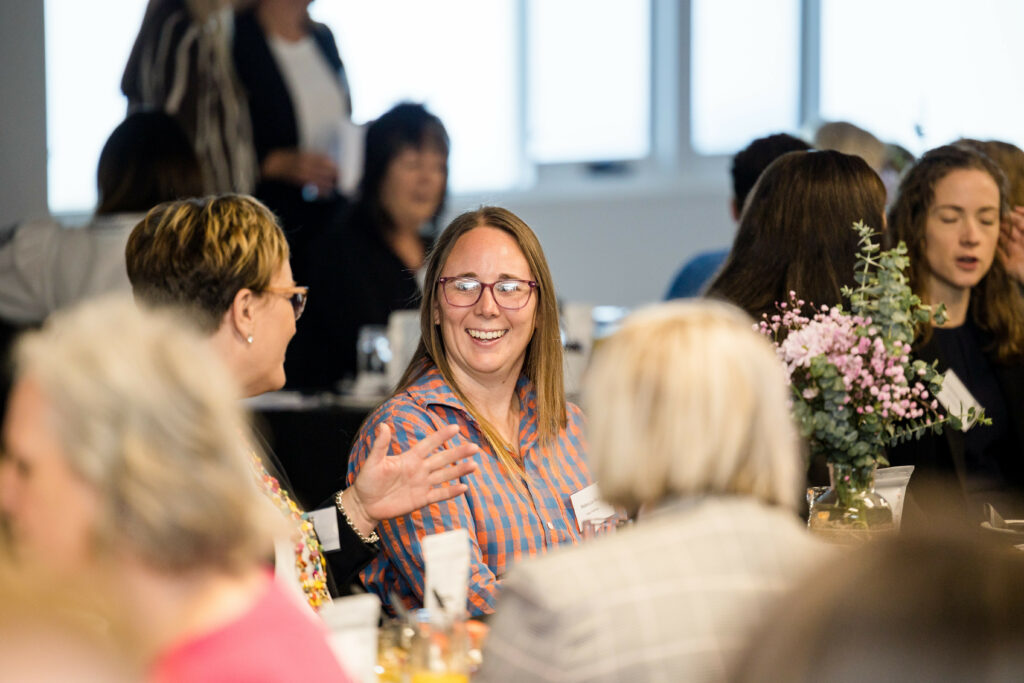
<point>351,508</point>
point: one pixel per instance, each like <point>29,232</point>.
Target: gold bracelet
<point>368,540</point>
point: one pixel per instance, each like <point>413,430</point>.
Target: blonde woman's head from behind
<point>129,417</point>
<point>686,399</point>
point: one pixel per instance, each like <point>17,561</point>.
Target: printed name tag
<point>589,507</point>
<point>956,399</point>
<point>325,521</point>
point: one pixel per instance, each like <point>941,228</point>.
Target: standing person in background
<point>298,97</point>
<point>687,417</point>
<point>949,212</point>
<point>747,166</point>
<point>123,467</point>
<point>370,265</point>
<point>181,64</point>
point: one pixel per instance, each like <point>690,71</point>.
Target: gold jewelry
<point>368,540</point>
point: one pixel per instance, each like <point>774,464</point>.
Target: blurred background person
<point>687,417</point>
<point>45,265</point>
<point>796,231</point>
<point>371,264</point>
<point>845,137</point>
<point>124,464</point>
<point>490,361</point>
<point>948,212</point>
<point>297,96</point>
<point>224,260</point>
<point>934,608</point>
<point>181,64</point>
<point>747,166</point>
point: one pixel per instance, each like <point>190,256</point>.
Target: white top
<point>672,599</point>
<point>45,265</point>
<point>316,94</point>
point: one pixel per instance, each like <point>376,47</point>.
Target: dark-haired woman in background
<point>367,268</point>
<point>795,233</point>
<point>45,265</point>
<point>948,211</point>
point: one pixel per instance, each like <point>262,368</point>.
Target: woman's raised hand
<point>391,486</point>
<point>1011,244</point>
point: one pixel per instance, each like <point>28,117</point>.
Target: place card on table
<point>956,398</point>
<point>446,558</point>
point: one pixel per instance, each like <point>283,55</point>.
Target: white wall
<point>22,111</point>
<point>611,241</point>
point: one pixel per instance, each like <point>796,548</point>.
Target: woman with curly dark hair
<point>948,212</point>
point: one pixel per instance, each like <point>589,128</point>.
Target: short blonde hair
<point>149,416</point>
<point>196,254</point>
<point>686,399</point>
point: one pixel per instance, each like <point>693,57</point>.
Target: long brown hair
<point>996,304</point>
<point>796,231</point>
<point>543,362</point>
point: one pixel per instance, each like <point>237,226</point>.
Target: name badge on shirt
<point>589,507</point>
<point>325,522</point>
<point>956,399</point>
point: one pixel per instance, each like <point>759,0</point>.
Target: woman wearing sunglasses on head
<point>490,362</point>
<point>225,261</point>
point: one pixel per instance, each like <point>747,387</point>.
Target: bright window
<point>588,86</point>
<point>458,57</point>
<point>745,70</point>
<point>86,51</point>
<point>516,82</point>
<point>922,74</point>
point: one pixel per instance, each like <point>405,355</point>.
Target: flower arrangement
<point>855,387</point>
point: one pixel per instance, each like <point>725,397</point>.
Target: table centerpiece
<point>855,387</point>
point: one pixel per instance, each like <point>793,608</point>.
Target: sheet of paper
<point>446,558</point>
<point>956,399</point>
<point>589,507</point>
<point>351,143</point>
<point>325,521</point>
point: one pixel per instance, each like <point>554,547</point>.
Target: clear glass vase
<point>849,511</point>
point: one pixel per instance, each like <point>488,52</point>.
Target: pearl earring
<point>249,339</point>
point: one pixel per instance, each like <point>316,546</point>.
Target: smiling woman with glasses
<point>490,362</point>
<point>225,261</point>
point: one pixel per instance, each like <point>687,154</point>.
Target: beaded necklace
<point>309,562</point>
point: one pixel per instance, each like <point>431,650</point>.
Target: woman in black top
<point>367,267</point>
<point>297,94</point>
<point>948,212</point>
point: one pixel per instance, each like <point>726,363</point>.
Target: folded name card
<point>956,398</point>
<point>446,558</point>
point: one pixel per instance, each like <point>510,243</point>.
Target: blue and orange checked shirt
<point>505,522</point>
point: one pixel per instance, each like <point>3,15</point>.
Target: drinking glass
<point>439,649</point>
